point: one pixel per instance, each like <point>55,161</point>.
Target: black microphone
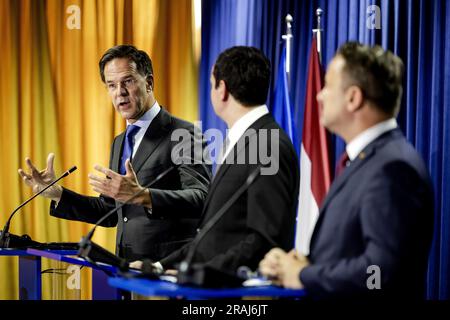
<point>8,240</point>
<point>92,252</point>
<point>202,275</point>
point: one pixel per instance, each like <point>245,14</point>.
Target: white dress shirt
<point>144,122</point>
<point>239,127</point>
<point>363,139</point>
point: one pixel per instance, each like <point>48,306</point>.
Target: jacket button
<point>198,230</point>
<point>125,219</point>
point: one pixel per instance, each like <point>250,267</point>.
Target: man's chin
<point>326,125</point>
<point>125,114</point>
<point>131,116</point>
<point>128,116</point>
<point>322,122</point>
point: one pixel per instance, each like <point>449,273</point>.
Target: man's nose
<point>122,90</point>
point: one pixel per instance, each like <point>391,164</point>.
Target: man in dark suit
<point>264,215</point>
<point>374,230</point>
<point>164,216</point>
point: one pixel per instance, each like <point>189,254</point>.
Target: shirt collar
<point>239,127</point>
<point>147,118</point>
<point>362,140</point>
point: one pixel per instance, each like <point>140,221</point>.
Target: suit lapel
<point>364,156</point>
<point>117,151</point>
<point>155,133</point>
<point>233,156</point>
<point>343,178</point>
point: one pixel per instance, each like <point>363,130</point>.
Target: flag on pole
<point>315,176</point>
<point>281,103</point>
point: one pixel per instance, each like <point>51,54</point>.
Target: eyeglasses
<point>128,83</point>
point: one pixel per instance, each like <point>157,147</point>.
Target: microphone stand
<point>92,252</point>
<point>202,275</point>
<point>8,240</point>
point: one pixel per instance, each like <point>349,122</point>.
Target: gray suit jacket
<point>177,198</point>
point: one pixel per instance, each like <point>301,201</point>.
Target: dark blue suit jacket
<point>379,211</point>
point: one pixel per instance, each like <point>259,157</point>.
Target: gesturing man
<point>164,217</point>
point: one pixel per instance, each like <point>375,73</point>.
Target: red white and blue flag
<point>315,175</point>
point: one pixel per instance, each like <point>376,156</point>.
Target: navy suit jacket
<point>379,213</point>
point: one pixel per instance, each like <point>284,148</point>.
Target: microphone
<point>8,240</point>
<point>204,275</point>
<point>92,252</point>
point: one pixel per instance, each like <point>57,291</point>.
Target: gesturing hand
<point>38,180</point>
<point>120,187</point>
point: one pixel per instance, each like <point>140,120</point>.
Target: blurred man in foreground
<point>375,225</point>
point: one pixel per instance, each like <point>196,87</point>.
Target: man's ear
<point>149,86</point>
<point>355,98</point>
<point>223,90</point>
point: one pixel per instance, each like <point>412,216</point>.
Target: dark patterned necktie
<point>342,164</point>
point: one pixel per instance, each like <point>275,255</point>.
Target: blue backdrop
<point>418,31</point>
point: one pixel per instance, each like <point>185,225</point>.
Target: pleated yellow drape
<point>52,99</point>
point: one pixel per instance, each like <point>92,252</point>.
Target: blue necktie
<point>128,146</point>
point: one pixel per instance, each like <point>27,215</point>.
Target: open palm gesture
<point>38,180</point>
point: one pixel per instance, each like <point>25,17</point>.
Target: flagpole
<point>318,33</point>
<point>288,38</point>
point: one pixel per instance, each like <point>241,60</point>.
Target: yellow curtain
<point>52,99</point>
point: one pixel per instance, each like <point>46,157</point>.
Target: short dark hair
<point>246,73</point>
<point>141,58</point>
<point>377,72</point>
